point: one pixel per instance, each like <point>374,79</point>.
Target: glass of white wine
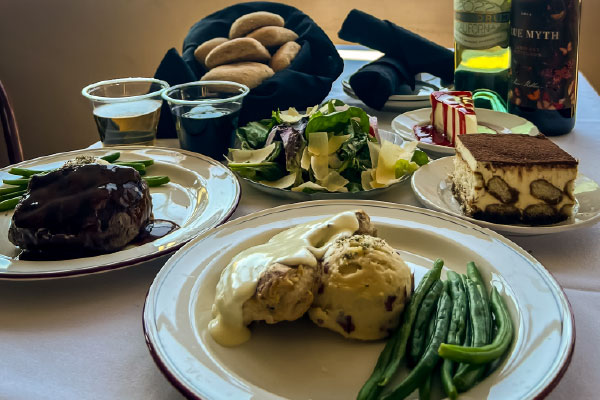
<point>126,110</point>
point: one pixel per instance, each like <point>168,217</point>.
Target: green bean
<point>468,374</point>
<point>154,181</point>
<point>17,182</point>
<point>468,331</point>
<point>13,194</point>
<point>146,163</point>
<point>419,337</point>
<point>112,157</point>
<point>456,331</point>
<point>138,166</point>
<point>458,323</point>
<point>24,172</point>
<point>430,358</point>
<point>477,314</point>
<point>492,351</point>
<point>446,373</point>
<point>9,204</point>
<point>395,348</point>
<point>475,276</point>
<point>425,388</point>
<point>8,190</point>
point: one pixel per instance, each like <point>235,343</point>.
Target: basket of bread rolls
<point>276,50</point>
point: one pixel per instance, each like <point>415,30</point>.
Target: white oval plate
<point>298,360</point>
<point>433,189</point>
<point>202,194</point>
<point>301,196</point>
<point>488,121</point>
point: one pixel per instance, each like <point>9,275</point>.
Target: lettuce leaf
<point>420,158</point>
<point>264,171</point>
<point>254,135</point>
<point>338,121</point>
<point>404,167</point>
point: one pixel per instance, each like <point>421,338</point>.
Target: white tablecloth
<point>81,338</point>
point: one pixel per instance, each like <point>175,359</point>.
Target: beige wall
<point>49,50</point>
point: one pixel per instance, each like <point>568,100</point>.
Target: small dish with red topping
<point>451,114</point>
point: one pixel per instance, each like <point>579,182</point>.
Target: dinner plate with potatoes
<point>258,46</point>
<point>298,302</point>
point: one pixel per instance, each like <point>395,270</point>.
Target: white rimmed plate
<point>433,189</point>
<point>297,360</point>
<point>202,194</point>
<point>488,121</point>
<point>406,98</point>
<point>301,196</point>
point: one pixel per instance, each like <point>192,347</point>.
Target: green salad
<point>334,147</point>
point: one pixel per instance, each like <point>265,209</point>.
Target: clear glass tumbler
<point>206,114</point>
<point>126,110</point>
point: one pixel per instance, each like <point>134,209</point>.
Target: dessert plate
<point>433,189</point>
<point>202,194</point>
<point>488,121</point>
<point>301,196</point>
<point>298,360</point>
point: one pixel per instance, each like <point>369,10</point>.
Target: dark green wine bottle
<point>543,79</point>
<point>481,38</point>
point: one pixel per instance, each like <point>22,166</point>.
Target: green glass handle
<point>485,98</point>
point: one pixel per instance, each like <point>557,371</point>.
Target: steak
<point>81,208</point>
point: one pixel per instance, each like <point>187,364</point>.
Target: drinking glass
<point>206,114</point>
<point>126,110</point>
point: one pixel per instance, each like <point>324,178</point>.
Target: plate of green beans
<point>191,190</point>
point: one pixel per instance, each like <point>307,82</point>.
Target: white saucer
<point>489,121</point>
<point>434,190</point>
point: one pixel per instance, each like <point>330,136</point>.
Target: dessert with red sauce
<point>452,114</point>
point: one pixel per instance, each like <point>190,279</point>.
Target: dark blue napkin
<point>306,82</point>
<point>406,54</point>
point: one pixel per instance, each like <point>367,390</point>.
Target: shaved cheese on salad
<point>252,156</point>
<point>318,143</point>
<point>282,183</point>
<point>320,166</point>
<point>335,142</point>
<point>305,160</point>
<point>334,182</point>
<point>309,185</point>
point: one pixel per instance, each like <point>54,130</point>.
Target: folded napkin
<point>406,54</point>
<point>306,82</point>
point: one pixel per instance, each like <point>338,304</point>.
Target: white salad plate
<point>433,188</point>
<point>202,194</point>
<point>298,360</point>
<point>301,196</point>
<point>488,121</point>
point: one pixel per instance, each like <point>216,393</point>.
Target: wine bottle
<point>481,39</point>
<point>543,77</point>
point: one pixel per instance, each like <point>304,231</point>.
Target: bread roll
<point>236,50</point>
<point>284,56</point>
<point>202,50</point>
<point>250,22</point>
<point>273,36</point>
<point>250,74</point>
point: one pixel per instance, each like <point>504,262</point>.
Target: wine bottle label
<point>481,24</point>
<point>544,38</point>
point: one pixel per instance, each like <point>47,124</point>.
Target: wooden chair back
<point>10,129</point>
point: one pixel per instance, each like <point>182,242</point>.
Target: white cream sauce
<point>302,245</point>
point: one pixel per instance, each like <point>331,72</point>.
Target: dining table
<point>82,337</point>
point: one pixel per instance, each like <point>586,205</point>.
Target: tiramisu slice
<point>453,114</point>
<point>510,178</point>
